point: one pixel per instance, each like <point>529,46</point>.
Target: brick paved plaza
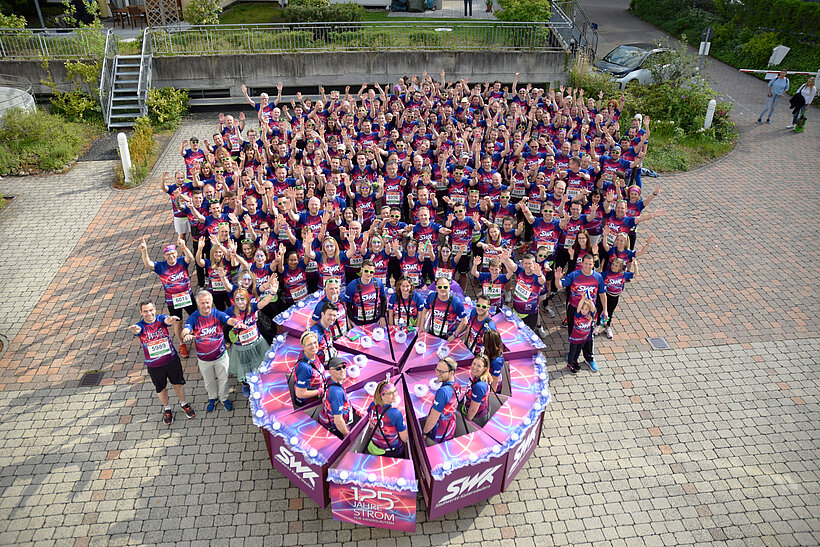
<point>714,441</point>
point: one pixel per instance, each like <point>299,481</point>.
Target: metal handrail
<point>144,83</point>
<point>107,74</point>
<point>44,43</point>
<point>433,35</point>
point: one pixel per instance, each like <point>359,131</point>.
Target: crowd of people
<point>398,202</point>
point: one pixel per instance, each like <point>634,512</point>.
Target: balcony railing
<point>433,35</point>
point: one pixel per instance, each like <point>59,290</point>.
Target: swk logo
<point>523,448</point>
<point>287,458</point>
<point>464,485</point>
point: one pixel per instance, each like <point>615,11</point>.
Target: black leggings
<point>588,349</point>
<point>221,300</point>
<point>611,304</point>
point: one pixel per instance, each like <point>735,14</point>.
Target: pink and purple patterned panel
<point>295,319</point>
<point>429,357</point>
<point>374,491</point>
<point>518,339</point>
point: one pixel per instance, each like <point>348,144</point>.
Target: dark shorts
<point>172,372</point>
<point>178,313</point>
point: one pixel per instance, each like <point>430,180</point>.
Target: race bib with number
<point>522,292</point>
<point>534,207</point>
<point>493,292</point>
<point>311,267</point>
<point>442,272</point>
<point>249,335</point>
<point>393,198</point>
<point>356,261</point>
<point>610,238</point>
<point>299,293</point>
<point>569,241</point>
<point>572,192</point>
<point>181,301</point>
<point>217,285</point>
<point>158,348</point>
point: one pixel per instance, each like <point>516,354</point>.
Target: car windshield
<point>626,56</point>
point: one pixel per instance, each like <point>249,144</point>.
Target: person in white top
<point>809,92</point>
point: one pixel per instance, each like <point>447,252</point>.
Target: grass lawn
<point>669,153</point>
<point>270,12</point>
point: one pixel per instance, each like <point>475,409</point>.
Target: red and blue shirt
<point>156,342</point>
<point>386,423</point>
<point>209,338</point>
<point>175,281</point>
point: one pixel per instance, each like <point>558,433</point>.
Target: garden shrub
<point>142,147</point>
<point>524,10</point>
<point>28,143</point>
<point>167,106</point>
<point>203,12</point>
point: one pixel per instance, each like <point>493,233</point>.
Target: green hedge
<point>740,39</point>
<point>337,13</point>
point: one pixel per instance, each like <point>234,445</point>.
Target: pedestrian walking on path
<point>777,87</point>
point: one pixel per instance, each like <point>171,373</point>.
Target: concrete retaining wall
<point>263,71</point>
<point>336,69</point>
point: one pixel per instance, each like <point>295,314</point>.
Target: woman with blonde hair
<point>805,95</point>
<point>387,423</point>
<point>309,373</point>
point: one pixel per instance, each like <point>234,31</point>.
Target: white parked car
<point>628,63</point>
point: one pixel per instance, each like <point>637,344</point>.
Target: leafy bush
<point>75,106</point>
<point>581,75</point>
<point>339,13</point>
<point>12,21</point>
<point>142,147</point>
<point>746,32</point>
<point>758,48</point>
<point>28,143</point>
<point>167,106</point>
<point>524,10</point>
<point>203,12</point>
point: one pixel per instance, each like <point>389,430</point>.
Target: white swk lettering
<point>288,458</point>
<point>523,448</point>
<point>464,485</point>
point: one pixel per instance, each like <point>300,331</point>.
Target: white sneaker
<point>508,298</point>
<point>790,126</point>
<point>540,331</point>
<point>608,333</point>
<point>597,330</point>
<point>550,311</point>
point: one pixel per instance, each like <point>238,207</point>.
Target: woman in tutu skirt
<point>248,348</point>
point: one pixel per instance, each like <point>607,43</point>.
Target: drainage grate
<point>91,378</point>
<point>658,343</point>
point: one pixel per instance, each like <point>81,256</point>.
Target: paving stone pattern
<point>714,441</point>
